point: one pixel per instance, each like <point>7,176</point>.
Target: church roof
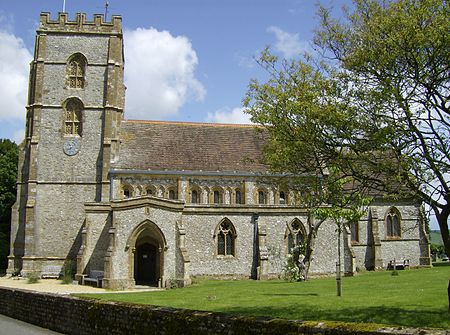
<point>178,146</point>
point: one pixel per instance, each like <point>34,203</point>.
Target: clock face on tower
<point>71,146</point>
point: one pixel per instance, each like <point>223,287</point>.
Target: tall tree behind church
<point>9,154</point>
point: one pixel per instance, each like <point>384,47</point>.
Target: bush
<point>33,278</point>
<point>437,249</point>
<point>290,270</point>
<point>67,272</point>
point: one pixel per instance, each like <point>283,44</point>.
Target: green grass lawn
<point>414,298</point>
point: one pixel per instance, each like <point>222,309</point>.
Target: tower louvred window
<point>72,122</point>
<point>76,68</point>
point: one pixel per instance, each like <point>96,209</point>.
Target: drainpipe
<point>255,262</point>
<point>110,186</point>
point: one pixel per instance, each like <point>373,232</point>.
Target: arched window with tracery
<point>73,117</point>
<point>226,238</point>
<point>393,223</point>
<point>295,235</point>
<point>76,71</point>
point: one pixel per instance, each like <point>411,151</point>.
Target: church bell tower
<point>74,111</point>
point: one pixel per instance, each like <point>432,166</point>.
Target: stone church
<point>152,202</point>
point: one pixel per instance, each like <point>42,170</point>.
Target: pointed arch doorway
<point>146,264</point>
<point>147,258</point>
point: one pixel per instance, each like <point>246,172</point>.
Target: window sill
<point>393,238</point>
<point>225,257</point>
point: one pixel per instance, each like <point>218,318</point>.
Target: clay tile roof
<point>157,145</point>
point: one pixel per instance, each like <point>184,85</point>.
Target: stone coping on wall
<point>73,315</point>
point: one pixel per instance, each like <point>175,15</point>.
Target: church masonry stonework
<point>155,203</point>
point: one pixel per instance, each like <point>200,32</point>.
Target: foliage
<point>289,108</point>
<point>68,271</point>
<point>172,283</point>
<point>437,249</point>
<point>390,61</point>
<point>435,237</point>
<point>9,154</point>
<point>372,106</point>
<point>33,278</point>
<point>292,270</point>
<point>413,299</point>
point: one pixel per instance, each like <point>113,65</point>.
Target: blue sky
<point>203,51</point>
<point>197,56</point>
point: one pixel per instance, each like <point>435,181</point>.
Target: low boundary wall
<point>72,315</point>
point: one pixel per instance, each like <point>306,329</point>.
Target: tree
<point>9,154</point>
<point>396,57</point>
<point>301,111</point>
<point>373,105</point>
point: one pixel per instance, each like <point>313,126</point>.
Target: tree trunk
<point>442,219</point>
<point>304,264</point>
<point>448,293</point>
<point>302,269</point>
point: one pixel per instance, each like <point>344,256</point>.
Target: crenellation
<point>64,25</point>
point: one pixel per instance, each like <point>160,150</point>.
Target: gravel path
<point>56,286</point>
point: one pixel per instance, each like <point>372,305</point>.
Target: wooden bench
<point>51,271</point>
<point>398,264</point>
<point>94,277</point>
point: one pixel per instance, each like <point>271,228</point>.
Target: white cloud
<point>159,73</point>
<point>14,60</point>
<point>288,44</point>
<point>227,115</point>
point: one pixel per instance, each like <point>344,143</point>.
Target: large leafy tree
<point>8,175</point>
<point>396,55</point>
<point>374,105</point>
<point>301,113</point>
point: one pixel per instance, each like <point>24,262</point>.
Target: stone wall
<point>71,315</point>
<point>202,246</point>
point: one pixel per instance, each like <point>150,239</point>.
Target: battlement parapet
<point>64,25</point>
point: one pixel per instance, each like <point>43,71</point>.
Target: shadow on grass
<point>441,264</point>
<point>291,294</point>
<point>394,316</point>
